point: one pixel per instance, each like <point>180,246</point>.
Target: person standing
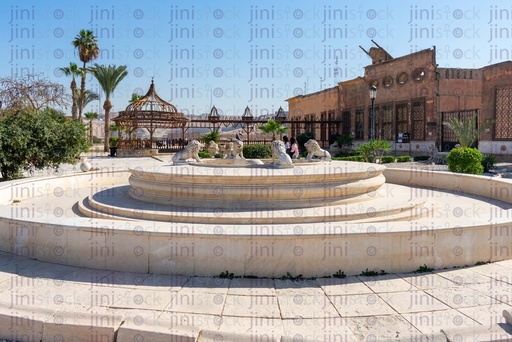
<point>287,145</point>
<point>294,148</point>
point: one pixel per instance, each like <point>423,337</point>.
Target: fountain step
<point>373,208</point>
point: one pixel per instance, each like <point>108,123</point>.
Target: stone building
<point>415,96</point>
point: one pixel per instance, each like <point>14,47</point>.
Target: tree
<point>373,150</point>
<point>273,127</point>
<point>90,116</point>
<point>87,45</point>
<point>30,93</point>
<point>212,136</point>
<point>465,131</point>
<point>72,70</point>
<point>41,139</point>
<point>89,96</point>
<point>109,78</point>
<point>135,97</point>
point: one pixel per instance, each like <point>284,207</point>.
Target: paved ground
<point>43,301</point>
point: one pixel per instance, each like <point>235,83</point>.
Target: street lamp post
<point>373,95</point>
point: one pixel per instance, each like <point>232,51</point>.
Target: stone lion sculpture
<point>213,148</point>
<point>190,151</point>
<point>238,150</point>
<point>314,150</point>
<point>279,155</point>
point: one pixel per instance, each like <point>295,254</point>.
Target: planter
<point>113,151</point>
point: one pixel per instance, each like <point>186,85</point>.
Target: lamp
<point>373,95</point>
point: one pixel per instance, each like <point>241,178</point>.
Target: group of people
<point>292,148</point>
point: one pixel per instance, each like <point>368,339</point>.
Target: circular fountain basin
<point>256,186</point>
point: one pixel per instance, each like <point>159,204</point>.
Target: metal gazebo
<point>149,112</point>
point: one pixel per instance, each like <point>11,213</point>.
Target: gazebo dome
<point>151,112</point>
<point>151,102</point>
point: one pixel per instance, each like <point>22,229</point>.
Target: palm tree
<point>465,130</point>
<point>89,96</point>
<point>72,70</point>
<point>87,45</point>
<point>135,97</point>
<point>273,127</point>
<point>90,116</point>
<point>109,78</point>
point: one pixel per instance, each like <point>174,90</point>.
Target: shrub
<point>204,154</point>
<point>113,142</point>
<point>465,160</point>
<point>303,138</point>
<point>257,151</point>
<point>387,159</point>
<point>403,159</point>
<point>350,158</point>
<point>488,162</point>
<point>373,150</point>
<point>421,158</point>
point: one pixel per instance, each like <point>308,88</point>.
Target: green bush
<point>421,158</point>
<point>257,151</point>
<point>403,159</point>
<point>303,138</point>
<point>204,154</point>
<point>488,162</point>
<point>465,160</point>
<point>350,158</point>
<point>387,159</point>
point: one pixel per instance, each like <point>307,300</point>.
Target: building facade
<point>414,97</point>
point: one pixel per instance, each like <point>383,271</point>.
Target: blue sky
<point>251,53</point>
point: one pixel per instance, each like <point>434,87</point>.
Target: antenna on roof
<point>365,51</point>
<point>388,56</point>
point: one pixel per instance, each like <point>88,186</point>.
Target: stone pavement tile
<point>193,301</point>
<point>460,297</point>
<point>488,316</point>
<point>383,328</point>
<point>168,282</point>
<point>424,281</point>
<point>480,334</point>
<point>386,283</point>
<point>360,305</point>
<point>48,270</point>
<point>495,271</point>
<point>251,306</point>
<point>23,322</point>
<point>267,329</point>
<point>144,325</point>
<point>121,297</point>
<point>247,286</point>
<point>500,292</point>
<point>506,263</point>
<point>123,279</point>
<point>305,306</point>
<point>225,336</point>
<point>301,287</point>
<point>77,324</point>
<point>56,296</point>
<point>431,322</point>
<point>345,286</point>
<point>86,275</point>
<point>412,301</point>
<point>463,276</point>
<point>206,284</point>
<point>318,329</point>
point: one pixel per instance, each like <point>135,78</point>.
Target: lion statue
<point>237,152</point>
<point>314,150</point>
<point>279,155</point>
<point>190,151</point>
<point>213,148</point>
